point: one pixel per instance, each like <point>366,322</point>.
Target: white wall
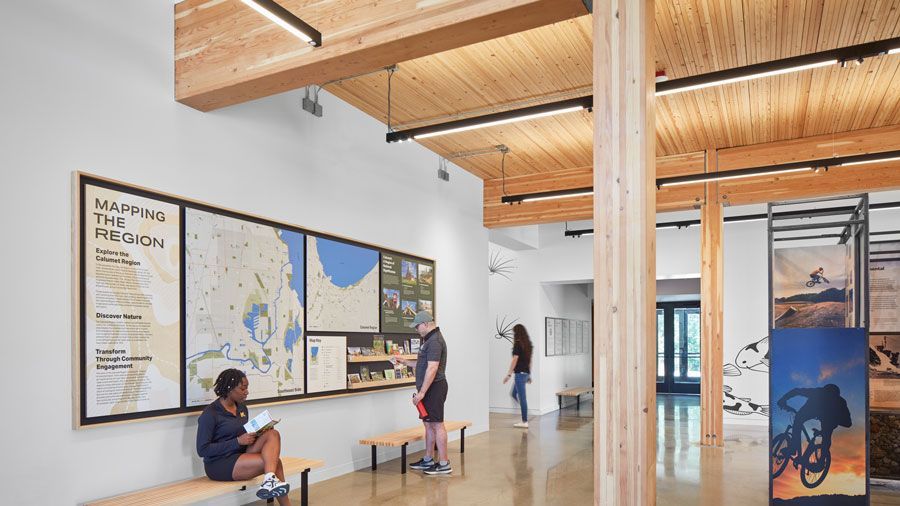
<point>88,85</point>
<point>526,298</point>
<point>746,312</point>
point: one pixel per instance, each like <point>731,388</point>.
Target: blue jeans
<point>518,393</point>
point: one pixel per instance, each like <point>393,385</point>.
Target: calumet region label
<point>132,299</point>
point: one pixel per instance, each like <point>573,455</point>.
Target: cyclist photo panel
<point>810,287</point>
<point>818,424</point>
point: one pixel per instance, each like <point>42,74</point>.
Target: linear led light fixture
<point>722,176</point>
<point>548,195</point>
<point>784,168</point>
<point>855,53</point>
<point>498,118</point>
<point>287,20</point>
<point>881,206</point>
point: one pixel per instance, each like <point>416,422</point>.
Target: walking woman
<point>229,452</point>
<point>521,367</point>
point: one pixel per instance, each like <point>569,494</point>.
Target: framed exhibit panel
<point>407,287</point>
<point>563,336</point>
<point>129,311</point>
<point>169,292</point>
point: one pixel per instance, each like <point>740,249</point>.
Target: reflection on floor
<point>551,464</point>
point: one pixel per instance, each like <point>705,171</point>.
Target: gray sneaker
<point>437,468</point>
<point>422,464</point>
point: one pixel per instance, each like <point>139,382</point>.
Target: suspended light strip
<point>498,118</point>
<point>882,206</point>
<point>499,122</point>
<point>748,77</point>
<point>287,20</point>
<point>722,176</point>
<point>548,195</point>
<point>785,168</point>
<point>877,160</point>
<point>855,53</point>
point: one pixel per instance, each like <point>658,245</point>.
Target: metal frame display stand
<point>827,218</point>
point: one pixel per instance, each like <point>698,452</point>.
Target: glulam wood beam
<point>712,288</point>
<point>226,53</point>
<point>762,189</point>
<point>624,254</point>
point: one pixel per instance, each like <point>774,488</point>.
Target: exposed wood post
<point>624,254</point>
<point>712,288</point>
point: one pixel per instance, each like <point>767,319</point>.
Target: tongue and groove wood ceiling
<point>692,37</point>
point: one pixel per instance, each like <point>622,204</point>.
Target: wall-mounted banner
<point>131,303</point>
<point>809,286</point>
<point>884,287</point>
<point>407,287</point>
<point>818,424</point>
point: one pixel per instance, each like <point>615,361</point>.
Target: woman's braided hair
<point>228,380</point>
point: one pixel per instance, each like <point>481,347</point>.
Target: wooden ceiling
<point>692,37</point>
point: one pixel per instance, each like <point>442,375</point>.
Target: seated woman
<point>229,452</point>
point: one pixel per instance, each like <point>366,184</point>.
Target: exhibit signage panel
<point>884,287</point>
<point>407,287</point>
<point>819,420</point>
<point>131,303</point>
<point>810,287</point>
<point>170,292</point>
<point>326,358</point>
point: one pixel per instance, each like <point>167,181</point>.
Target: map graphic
<point>244,305</point>
<point>343,287</point>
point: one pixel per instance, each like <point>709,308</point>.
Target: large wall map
<point>343,286</point>
<point>244,305</point>
<point>171,292</point>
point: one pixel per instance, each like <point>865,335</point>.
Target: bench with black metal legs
<point>402,438</point>
<point>575,392</point>
<point>202,488</point>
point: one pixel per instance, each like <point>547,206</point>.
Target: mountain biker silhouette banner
<point>818,424</point>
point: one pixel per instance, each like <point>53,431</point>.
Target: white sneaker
<point>521,425</point>
<point>272,487</point>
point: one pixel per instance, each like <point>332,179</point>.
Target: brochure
<point>260,423</point>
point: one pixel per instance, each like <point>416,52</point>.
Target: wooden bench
<point>202,488</point>
<point>402,438</point>
<point>575,392</point>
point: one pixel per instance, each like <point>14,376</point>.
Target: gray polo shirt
<point>434,349</point>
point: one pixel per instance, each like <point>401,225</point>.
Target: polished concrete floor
<point>551,464</point>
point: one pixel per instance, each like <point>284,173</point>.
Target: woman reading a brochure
<point>231,453</point>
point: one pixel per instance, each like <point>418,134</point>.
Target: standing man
<point>431,391</point>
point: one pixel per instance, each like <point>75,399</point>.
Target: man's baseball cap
<point>421,317</point>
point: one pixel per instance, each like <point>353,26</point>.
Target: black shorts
<point>434,401</point>
<point>222,469</point>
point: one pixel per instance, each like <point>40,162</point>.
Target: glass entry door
<point>678,347</point>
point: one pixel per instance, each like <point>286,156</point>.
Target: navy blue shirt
<point>218,430</point>
<point>433,349</point>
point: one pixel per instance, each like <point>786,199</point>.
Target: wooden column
<point>624,254</point>
<point>712,289</point>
